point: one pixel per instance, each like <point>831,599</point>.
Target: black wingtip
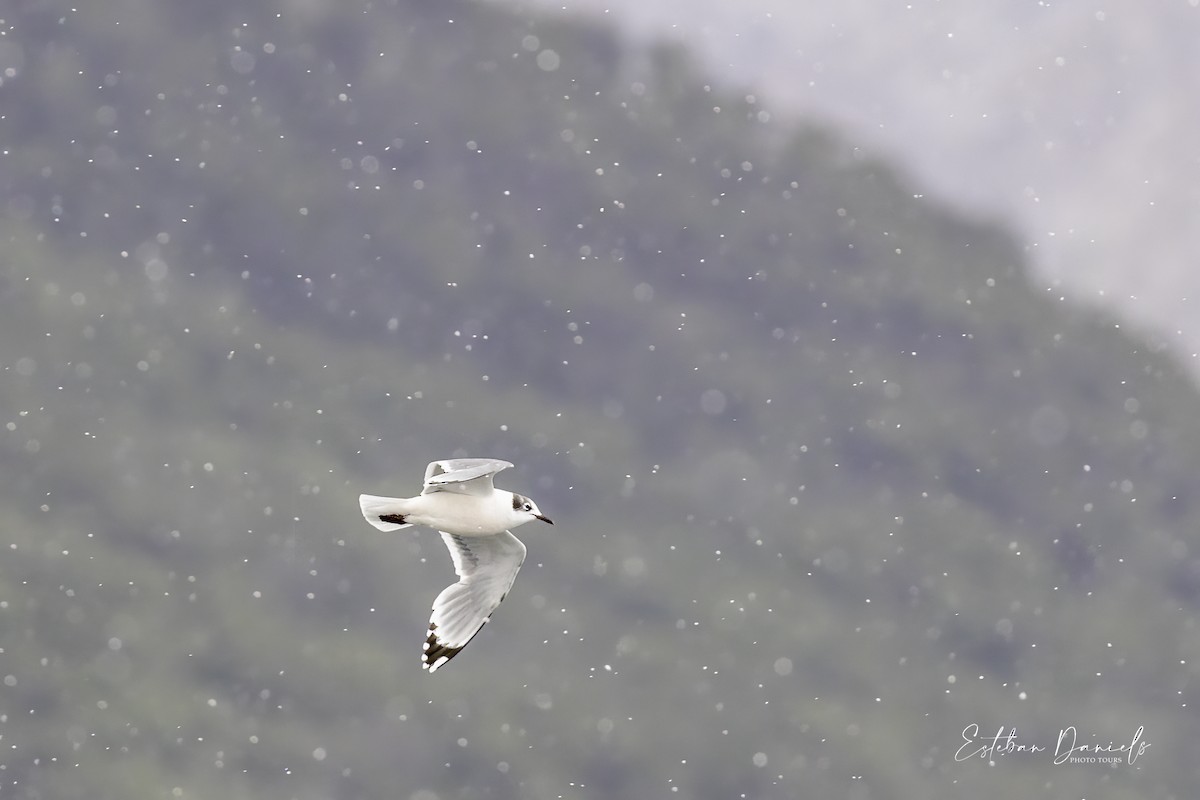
<point>437,654</point>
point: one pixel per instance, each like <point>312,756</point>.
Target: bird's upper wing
<point>487,566</point>
<point>462,475</point>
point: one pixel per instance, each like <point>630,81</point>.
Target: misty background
<point>835,476</point>
<point>1072,121</point>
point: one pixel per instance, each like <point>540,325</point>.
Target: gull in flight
<point>474,517</point>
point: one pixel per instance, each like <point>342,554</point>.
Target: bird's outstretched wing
<point>487,566</point>
<point>462,475</point>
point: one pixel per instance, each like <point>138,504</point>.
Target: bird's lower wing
<point>487,566</point>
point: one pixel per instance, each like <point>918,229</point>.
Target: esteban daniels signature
<point>1067,750</point>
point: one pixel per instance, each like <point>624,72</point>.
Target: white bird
<point>474,517</point>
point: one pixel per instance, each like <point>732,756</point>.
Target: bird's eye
<point>528,507</point>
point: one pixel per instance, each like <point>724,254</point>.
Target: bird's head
<point>526,510</point>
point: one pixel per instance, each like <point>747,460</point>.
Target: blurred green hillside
<point>832,479</point>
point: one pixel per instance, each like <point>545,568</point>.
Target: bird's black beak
<point>546,520</point>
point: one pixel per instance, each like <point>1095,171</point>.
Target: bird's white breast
<point>464,514</point>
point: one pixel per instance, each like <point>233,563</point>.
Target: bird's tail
<point>385,513</point>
